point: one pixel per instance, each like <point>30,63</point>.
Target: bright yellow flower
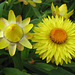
<point>55,40</point>
<point>61,11</point>
<point>14,33</point>
<point>31,2</point>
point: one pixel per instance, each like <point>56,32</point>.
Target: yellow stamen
<point>58,35</point>
<point>13,33</point>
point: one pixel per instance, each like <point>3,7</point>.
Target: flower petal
<point>25,2</point>
<point>12,49</point>
<point>25,22</point>
<point>63,9</point>
<point>53,8</point>
<point>20,0</point>
<point>2,25</point>
<point>69,14</point>
<point>25,42</point>
<point>33,4</point>
<point>1,34</point>
<point>11,17</point>
<point>29,35</point>
<point>37,1</point>
<point>19,19</point>
<point>4,43</point>
<point>4,20</point>
<point>27,28</point>
<point>20,47</point>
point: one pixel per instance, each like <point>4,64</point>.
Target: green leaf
<point>36,11</point>
<point>72,64</point>
<point>39,68</point>
<point>17,60</point>
<point>13,71</point>
<point>25,54</point>
<point>44,66</point>
<point>60,71</point>
<point>1,8</point>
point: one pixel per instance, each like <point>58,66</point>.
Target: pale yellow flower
<point>14,33</point>
<point>31,2</point>
<point>55,40</point>
<point>61,11</point>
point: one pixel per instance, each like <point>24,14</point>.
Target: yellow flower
<point>55,40</point>
<point>14,33</point>
<point>61,11</point>
<point>31,2</point>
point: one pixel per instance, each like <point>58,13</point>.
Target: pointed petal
<point>63,9</point>
<point>20,47</point>
<point>12,49</point>
<point>29,35</point>
<point>20,0</point>
<point>1,34</point>
<point>27,28</point>
<point>4,43</point>
<point>19,19</point>
<point>4,20</point>
<point>2,25</point>
<point>69,14</point>
<point>57,10</point>
<point>37,1</point>
<point>53,8</point>
<point>11,17</point>
<point>25,42</point>
<point>25,2</point>
<point>25,22</point>
<point>33,4</point>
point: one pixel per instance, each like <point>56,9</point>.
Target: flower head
<point>14,33</point>
<point>31,2</point>
<point>55,40</point>
<point>61,11</point>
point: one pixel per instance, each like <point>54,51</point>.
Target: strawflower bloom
<point>14,33</point>
<point>55,40</point>
<point>61,11</point>
<point>31,2</point>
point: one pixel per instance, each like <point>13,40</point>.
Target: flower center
<point>58,35</point>
<point>13,32</point>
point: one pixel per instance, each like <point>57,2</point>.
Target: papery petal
<point>29,35</point>
<point>63,9</point>
<point>69,14</point>
<point>2,25</point>
<point>57,10</point>
<point>20,47</point>
<point>25,22</point>
<point>25,2</point>
<point>37,1</point>
<point>4,43</point>
<point>1,34</point>
<point>11,17</point>
<point>19,19</point>
<point>12,49</point>
<point>4,20</point>
<point>27,28</point>
<point>53,8</point>
<point>33,4</point>
<point>25,43</point>
<point>20,0</point>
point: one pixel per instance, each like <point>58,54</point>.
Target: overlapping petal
<point>25,42</point>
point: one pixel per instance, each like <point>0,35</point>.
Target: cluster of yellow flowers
<point>54,37</point>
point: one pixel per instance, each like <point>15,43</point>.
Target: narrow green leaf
<point>72,64</point>
<point>36,11</point>
<point>17,61</point>
<point>13,71</point>
<point>1,8</point>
